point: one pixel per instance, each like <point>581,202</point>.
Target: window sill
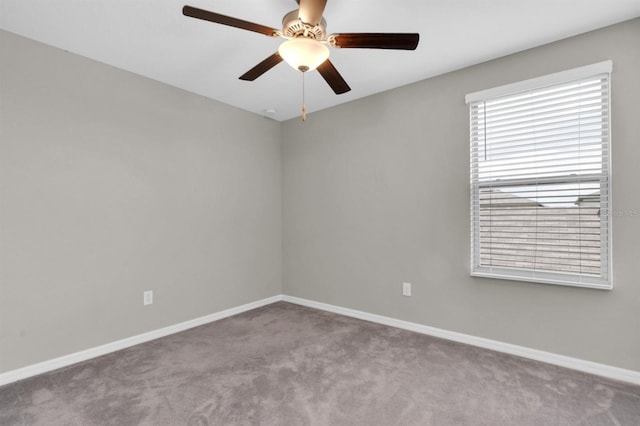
<point>542,278</point>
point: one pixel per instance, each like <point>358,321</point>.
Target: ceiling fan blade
<point>205,15</point>
<point>402,41</point>
<point>333,77</point>
<point>262,67</point>
<point>310,11</point>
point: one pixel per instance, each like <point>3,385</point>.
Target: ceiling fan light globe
<point>303,54</point>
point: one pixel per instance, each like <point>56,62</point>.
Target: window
<point>540,157</point>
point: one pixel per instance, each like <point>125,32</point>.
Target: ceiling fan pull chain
<point>304,107</point>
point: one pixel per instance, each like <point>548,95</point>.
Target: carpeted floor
<point>284,364</point>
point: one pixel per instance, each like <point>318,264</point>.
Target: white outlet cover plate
<point>406,289</point>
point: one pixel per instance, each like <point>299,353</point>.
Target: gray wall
<point>111,184</point>
<point>376,192</point>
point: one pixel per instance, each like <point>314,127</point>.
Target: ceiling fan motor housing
<point>293,27</point>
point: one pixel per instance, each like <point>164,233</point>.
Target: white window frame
<point>605,281</point>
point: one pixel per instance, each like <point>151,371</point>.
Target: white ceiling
<point>152,38</point>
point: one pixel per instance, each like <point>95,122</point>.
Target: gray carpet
<point>285,364</point>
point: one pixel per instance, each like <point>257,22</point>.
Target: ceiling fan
<point>306,46</point>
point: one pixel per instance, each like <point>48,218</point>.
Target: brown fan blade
<point>402,41</point>
<point>205,15</point>
<point>333,77</point>
<point>310,11</point>
<point>262,67</point>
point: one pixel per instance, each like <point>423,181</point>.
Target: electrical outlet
<point>406,289</point>
<point>148,297</point>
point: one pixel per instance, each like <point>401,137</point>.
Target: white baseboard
<point>66,360</point>
<point>604,370</point>
<point>548,357</point>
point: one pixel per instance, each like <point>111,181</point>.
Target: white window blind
<point>540,156</point>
